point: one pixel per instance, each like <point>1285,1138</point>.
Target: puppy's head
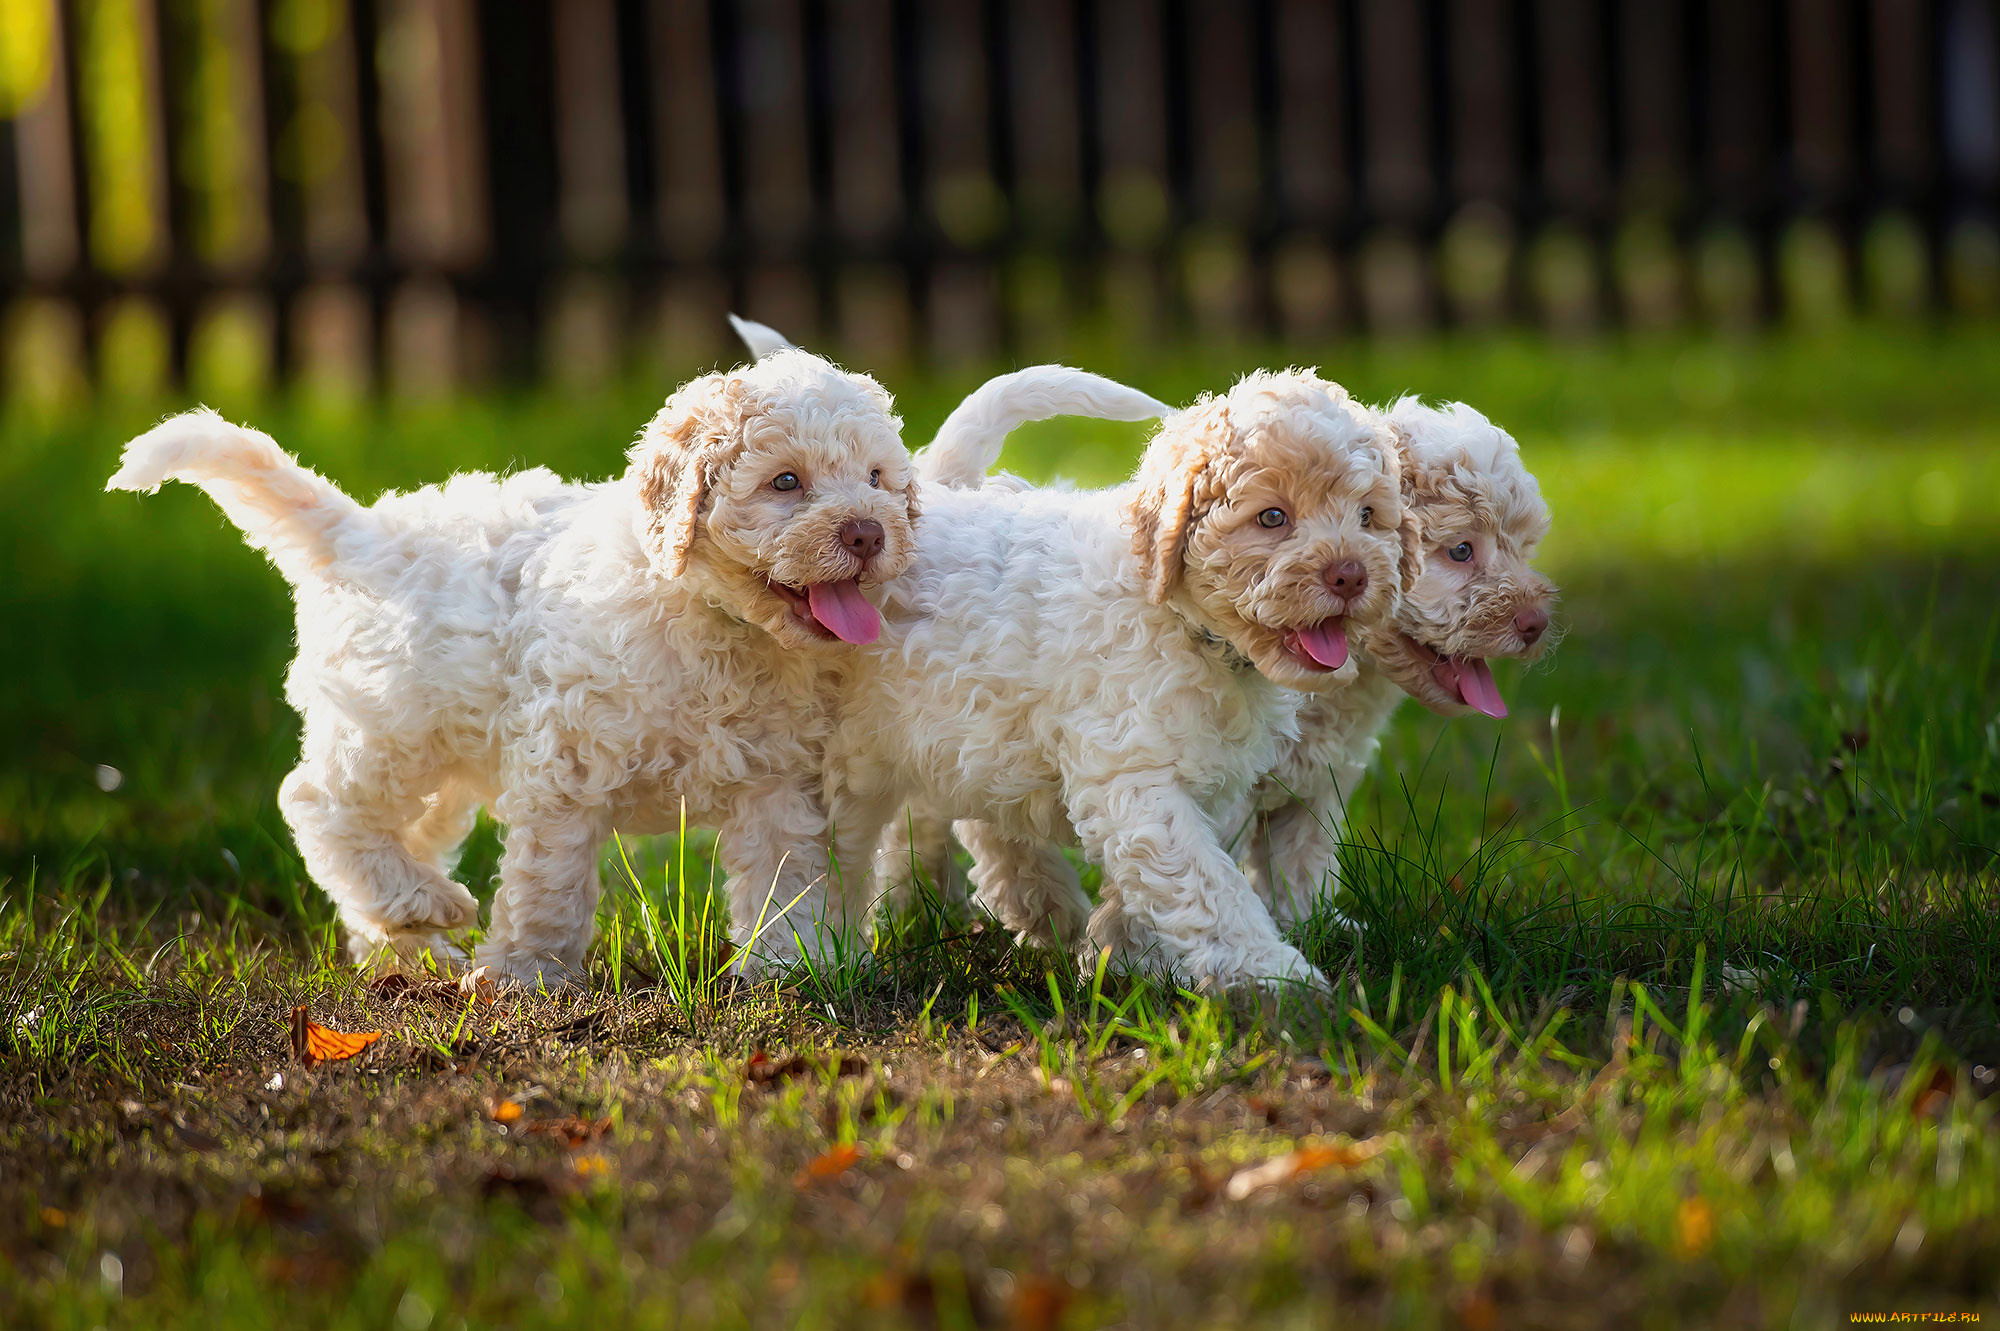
<point>781,489</point>
<point>1275,513</point>
<point>1475,594</point>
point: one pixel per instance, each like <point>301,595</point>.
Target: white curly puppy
<point>1476,595</point>
<point>578,657</point>
<point>1115,664</point>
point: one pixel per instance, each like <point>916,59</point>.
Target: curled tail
<point>968,443</point>
<point>761,339</point>
<point>284,509</point>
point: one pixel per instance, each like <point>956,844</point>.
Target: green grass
<point>1675,1002</point>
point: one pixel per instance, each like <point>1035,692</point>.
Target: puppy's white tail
<point>762,339</point>
<point>968,443</point>
<point>285,510</point>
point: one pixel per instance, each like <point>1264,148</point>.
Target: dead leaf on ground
<point>912,1291</point>
<point>400,990</point>
<point>1479,1312</point>
<point>534,1193</point>
<point>1038,1304</point>
<point>274,1207</point>
<point>762,1070</point>
<point>575,1132</point>
<point>1935,1097</point>
<point>1305,1160</point>
<point>828,1164</point>
<point>477,986</point>
<point>1694,1227</point>
<point>313,1043</point>
<point>194,1138</point>
<point>1204,1186</point>
<point>583,1027</point>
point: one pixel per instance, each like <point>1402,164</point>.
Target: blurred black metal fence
<point>420,193</point>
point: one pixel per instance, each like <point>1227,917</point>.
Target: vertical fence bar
<point>1313,169</point>
<point>1395,284</point>
<point>1216,258</point>
<point>866,174</point>
<point>585,311</point>
<point>1047,178</point>
<point>777,189</point>
<point>1133,206</point>
<point>692,205</point>
<point>1574,170</point>
<point>962,202</point>
<point>41,333</point>
<point>1476,251</point>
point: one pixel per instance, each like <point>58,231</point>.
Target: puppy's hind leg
<point>915,849</point>
<point>1026,883</point>
<point>546,910</point>
<point>348,832</point>
<point>1294,862</point>
<point>447,820</point>
<point>787,900</point>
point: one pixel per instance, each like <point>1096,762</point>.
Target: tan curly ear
<point>1170,474</point>
<point>1410,531</point>
<point>678,457</point>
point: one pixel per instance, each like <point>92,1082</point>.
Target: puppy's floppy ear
<point>1170,477</point>
<point>678,457</point>
<point>1411,529</point>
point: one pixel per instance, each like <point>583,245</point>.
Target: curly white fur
<point>1464,481</point>
<point>1113,665</point>
<point>579,657</point>
<point>1465,486</point>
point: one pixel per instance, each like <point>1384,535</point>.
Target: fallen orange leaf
<point>313,1043</point>
<point>1305,1160</point>
<point>1936,1095</point>
<point>1038,1304</point>
<point>830,1163</point>
<point>1479,1312</point>
<point>1694,1227</point>
<point>577,1132</point>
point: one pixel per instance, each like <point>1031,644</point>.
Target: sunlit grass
<point>1676,991</point>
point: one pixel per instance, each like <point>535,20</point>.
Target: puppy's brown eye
<point>786,480</point>
<point>1367,516</point>
<point>1271,517</point>
<point>875,478</point>
<point>1461,552</point>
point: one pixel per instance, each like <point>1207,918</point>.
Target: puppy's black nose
<point>1531,624</point>
<point>1347,578</point>
<point>862,537</point>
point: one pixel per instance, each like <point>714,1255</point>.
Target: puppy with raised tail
<point>1475,595</point>
<point>578,658</point>
<point>1110,666</point>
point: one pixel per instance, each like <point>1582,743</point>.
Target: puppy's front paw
<point>1277,971</point>
<point>527,974</point>
<point>432,904</point>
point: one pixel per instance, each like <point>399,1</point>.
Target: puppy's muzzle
<point>1346,579</point>
<point>863,539</point>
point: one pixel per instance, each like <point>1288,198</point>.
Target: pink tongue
<point>1326,642</point>
<point>1476,686</point>
<point>842,608</point>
